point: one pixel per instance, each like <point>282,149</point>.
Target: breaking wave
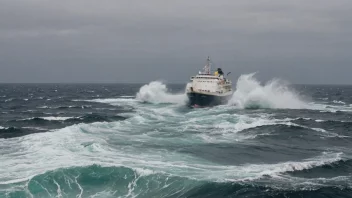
<point>157,92</point>
<point>116,181</point>
<point>251,94</point>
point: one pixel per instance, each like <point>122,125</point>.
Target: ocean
<point>135,140</point>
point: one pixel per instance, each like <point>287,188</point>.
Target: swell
<point>282,130</point>
<point>300,126</point>
<point>338,128</point>
<point>329,170</point>
<point>11,132</point>
<point>21,127</point>
<point>332,123</point>
<point>210,190</point>
<point>66,107</point>
<point>89,118</point>
<point>101,181</point>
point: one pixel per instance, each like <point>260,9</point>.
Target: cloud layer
<point>139,41</point>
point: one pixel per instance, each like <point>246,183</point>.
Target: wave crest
<point>157,92</point>
<point>250,94</point>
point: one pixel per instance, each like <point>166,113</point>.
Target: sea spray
<point>157,92</point>
<point>274,94</point>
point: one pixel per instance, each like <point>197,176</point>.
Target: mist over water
<point>143,141</point>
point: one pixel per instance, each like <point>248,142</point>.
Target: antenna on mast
<point>207,67</point>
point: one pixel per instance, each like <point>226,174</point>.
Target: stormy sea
<point>132,140</point>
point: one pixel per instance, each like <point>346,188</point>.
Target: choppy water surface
<point>142,141</point>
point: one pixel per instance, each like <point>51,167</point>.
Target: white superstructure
<point>210,84</point>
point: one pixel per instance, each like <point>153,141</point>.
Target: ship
<point>209,89</point>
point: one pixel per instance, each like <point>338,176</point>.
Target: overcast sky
<point>301,41</point>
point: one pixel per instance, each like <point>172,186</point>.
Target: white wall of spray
<point>250,93</point>
<point>157,92</point>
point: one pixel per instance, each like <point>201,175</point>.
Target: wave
<point>123,104</point>
<point>75,107</point>
<point>45,124</point>
<point>98,181</point>
<point>121,181</point>
<point>298,126</point>
<point>340,127</point>
<point>89,144</point>
<point>157,92</point>
<point>324,108</point>
<point>51,118</point>
<point>127,96</point>
<point>55,118</point>
<point>338,102</point>
<point>16,100</point>
<point>221,128</point>
<point>11,132</point>
<point>66,107</point>
<point>329,170</point>
<point>112,101</point>
<point>250,94</point>
<point>324,121</point>
<point>89,118</point>
<point>9,100</point>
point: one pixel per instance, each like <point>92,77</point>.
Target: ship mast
<point>207,67</point>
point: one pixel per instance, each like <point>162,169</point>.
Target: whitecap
<point>9,100</point>
<point>338,102</point>
<point>56,118</point>
<point>50,118</point>
<point>43,107</point>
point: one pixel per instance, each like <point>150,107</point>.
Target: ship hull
<point>205,100</point>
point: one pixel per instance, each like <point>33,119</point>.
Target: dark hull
<point>203,100</point>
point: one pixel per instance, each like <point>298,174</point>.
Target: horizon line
<point>139,83</point>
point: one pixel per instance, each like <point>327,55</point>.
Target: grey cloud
<point>139,41</point>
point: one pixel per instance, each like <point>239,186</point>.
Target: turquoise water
<point>142,141</point>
